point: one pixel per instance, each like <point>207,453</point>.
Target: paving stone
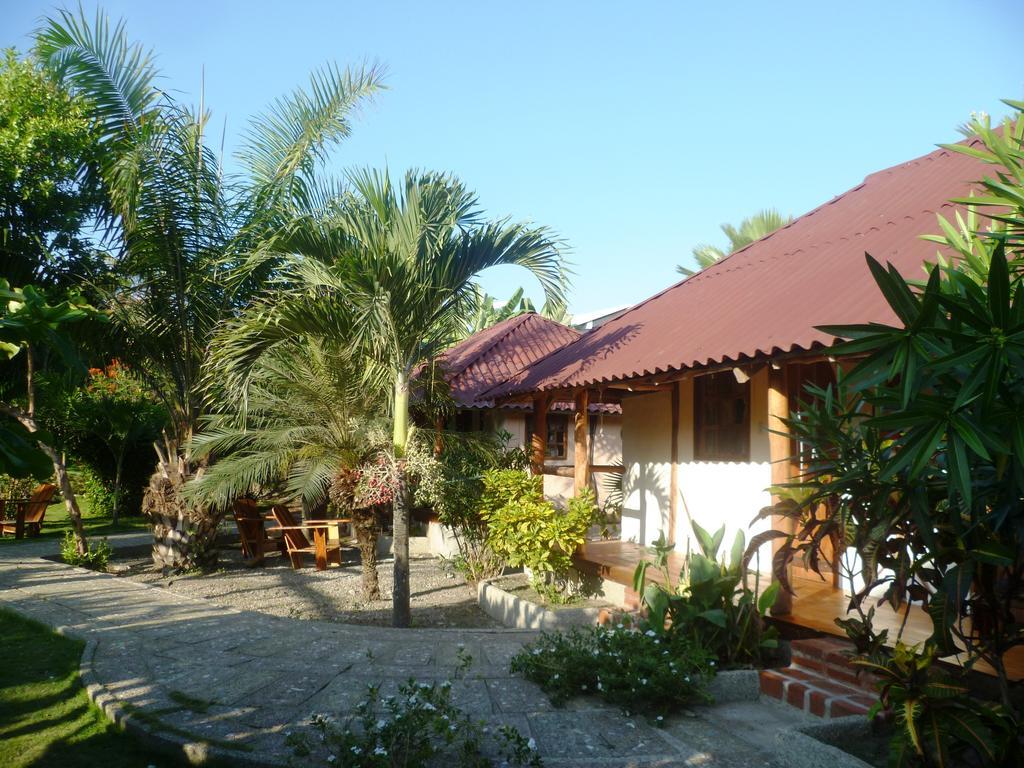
<point>258,678</point>
<point>515,695</point>
<point>602,734</point>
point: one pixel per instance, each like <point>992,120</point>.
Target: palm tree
<point>191,244</point>
<point>750,230</point>
<point>311,421</point>
<point>391,271</point>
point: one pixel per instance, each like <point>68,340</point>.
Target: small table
<point>320,528</point>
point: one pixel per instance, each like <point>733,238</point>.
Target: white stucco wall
<point>711,493</point>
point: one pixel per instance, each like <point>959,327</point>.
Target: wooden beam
<point>779,455</point>
<point>539,440</point>
<point>581,452</point>
<point>613,469</point>
<point>563,470</point>
<point>673,483</point>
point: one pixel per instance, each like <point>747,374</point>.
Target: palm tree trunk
<point>367,530</point>
<point>184,536</point>
<point>400,611</point>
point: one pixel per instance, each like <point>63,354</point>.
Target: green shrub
<point>94,559</point>
<point>529,531</point>
<point>452,485</point>
<point>710,601</point>
<point>635,669</point>
<point>937,722</point>
<point>419,727</point>
<point>16,487</point>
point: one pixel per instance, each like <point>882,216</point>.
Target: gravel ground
<point>439,597</point>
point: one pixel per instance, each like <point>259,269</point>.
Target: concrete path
<point>207,678</point>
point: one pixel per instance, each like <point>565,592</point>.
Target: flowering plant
<point>418,727</point>
<point>639,670</point>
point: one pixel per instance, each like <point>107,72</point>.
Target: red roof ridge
<point>513,323</point>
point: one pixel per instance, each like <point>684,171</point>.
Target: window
<point>558,430</point>
<point>721,407</point>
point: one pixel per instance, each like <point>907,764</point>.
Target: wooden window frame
<point>705,385</point>
<point>558,423</point>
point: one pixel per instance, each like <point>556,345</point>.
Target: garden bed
<point>511,601</point>
<point>440,598</point>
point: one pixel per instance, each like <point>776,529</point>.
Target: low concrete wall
<point>809,746</point>
<point>517,613</point>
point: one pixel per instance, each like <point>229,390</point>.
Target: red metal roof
<point>768,297</point>
<point>497,354</point>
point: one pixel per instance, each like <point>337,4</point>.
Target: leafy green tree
<point>391,271</point>
<point>193,244</point>
<point>48,188</point>
<point>29,323</point>
<point>750,230</point>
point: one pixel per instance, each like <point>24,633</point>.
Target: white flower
<point>331,758</point>
<point>660,718</point>
<point>532,744</point>
<point>380,751</point>
<point>599,686</point>
<point>643,681</point>
<point>619,625</point>
<point>446,684</point>
<point>650,633</point>
<point>356,751</point>
<point>429,707</point>
<point>555,677</point>
<point>712,663</point>
<point>381,724</point>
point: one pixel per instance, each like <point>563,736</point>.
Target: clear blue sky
<point>632,129</point>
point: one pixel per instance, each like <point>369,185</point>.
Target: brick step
<point>830,658</point>
<point>815,694</point>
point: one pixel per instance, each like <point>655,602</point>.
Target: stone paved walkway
<point>192,671</point>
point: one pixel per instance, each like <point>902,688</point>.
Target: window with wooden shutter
<point>721,418</point>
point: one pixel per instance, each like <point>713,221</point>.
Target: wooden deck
<point>816,604</point>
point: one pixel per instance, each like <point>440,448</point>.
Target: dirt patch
<point>440,598</point>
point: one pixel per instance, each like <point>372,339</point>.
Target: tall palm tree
<point>312,419</point>
<point>391,271</point>
<point>191,244</point>
<point>750,230</point>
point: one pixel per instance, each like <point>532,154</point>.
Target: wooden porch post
<point>779,456</point>
<point>581,453</point>
<point>673,484</point>
<point>539,441</point>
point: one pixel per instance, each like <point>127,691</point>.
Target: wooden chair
<point>252,531</point>
<point>295,541</point>
<point>28,513</point>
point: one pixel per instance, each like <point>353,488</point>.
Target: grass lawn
<point>45,717</point>
<point>56,524</point>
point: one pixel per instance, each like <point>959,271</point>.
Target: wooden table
<point>320,528</point>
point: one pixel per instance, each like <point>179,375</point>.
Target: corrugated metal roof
<point>495,355</point>
<point>768,297</point>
